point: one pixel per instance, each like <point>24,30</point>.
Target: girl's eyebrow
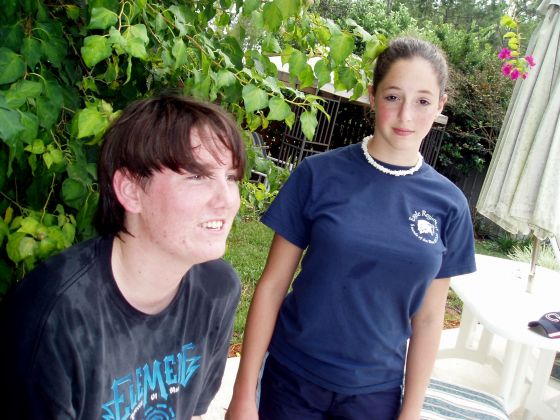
<point>423,91</point>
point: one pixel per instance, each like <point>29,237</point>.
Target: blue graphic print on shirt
<point>151,385</point>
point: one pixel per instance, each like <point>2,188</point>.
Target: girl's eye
<point>232,178</point>
<point>195,177</point>
<point>424,102</point>
<point>391,98</point>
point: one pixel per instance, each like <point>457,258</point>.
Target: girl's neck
<point>384,152</point>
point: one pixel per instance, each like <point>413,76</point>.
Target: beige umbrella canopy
<point>521,192</point>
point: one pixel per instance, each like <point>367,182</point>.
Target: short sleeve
<point>287,213</point>
<point>458,239</point>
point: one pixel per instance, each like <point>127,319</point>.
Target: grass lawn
<point>247,251</point>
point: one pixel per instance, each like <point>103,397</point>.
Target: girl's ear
<point>442,102</point>
<point>127,191</point>
<point>371,95</point>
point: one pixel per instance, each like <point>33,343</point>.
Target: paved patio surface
<point>459,371</point>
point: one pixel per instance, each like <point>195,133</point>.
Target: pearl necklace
<point>392,172</point>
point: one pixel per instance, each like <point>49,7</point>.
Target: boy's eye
<point>232,177</point>
<point>391,98</point>
<point>424,102</point>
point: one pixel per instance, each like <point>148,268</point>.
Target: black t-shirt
<point>73,347</point>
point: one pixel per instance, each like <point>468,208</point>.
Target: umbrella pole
<point>534,258</point>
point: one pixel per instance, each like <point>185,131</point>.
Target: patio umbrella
<point>521,191</point>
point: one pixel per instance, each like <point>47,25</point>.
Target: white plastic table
<point>495,295</point>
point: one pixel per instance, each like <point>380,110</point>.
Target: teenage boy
<point>135,323</point>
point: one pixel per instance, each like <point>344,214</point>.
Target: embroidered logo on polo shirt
<point>424,226</point>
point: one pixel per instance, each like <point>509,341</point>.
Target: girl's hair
<point>407,48</point>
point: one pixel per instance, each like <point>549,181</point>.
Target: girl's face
<point>406,103</point>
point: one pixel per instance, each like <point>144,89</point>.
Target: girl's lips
<point>402,131</point>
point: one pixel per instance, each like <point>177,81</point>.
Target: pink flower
<point>524,76</point>
<point>504,54</point>
<point>506,69</point>
<point>514,74</point>
<point>530,60</point>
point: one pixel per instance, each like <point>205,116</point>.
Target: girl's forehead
<point>414,73</point>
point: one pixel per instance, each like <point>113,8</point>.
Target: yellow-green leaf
<point>254,98</point>
<point>341,46</point>
<point>279,109</point>
<point>102,18</point>
<point>308,124</point>
<point>96,48</point>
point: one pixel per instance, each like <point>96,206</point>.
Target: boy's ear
<point>127,190</point>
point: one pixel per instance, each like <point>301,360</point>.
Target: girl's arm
<point>427,325</point>
<point>283,260</point>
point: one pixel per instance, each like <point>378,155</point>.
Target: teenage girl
<point>383,232</point>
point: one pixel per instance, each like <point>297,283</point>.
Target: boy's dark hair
<point>406,48</point>
<point>156,133</point>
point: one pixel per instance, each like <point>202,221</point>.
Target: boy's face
<point>188,217</point>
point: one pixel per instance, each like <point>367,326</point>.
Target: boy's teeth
<point>213,225</point>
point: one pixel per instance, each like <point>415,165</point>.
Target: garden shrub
<point>68,68</point>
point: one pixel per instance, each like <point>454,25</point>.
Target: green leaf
<point>290,120</point>
<point>279,109</point>
<point>270,45</point>
<point>288,7</point>
<point>254,98</point>
<point>224,78</point>
<point>48,111</point>
<point>73,12</point>
<point>20,92</point>
<point>29,225</point>
<point>12,65</point>
<point>373,49</point>
<point>306,77</point>
<point>297,61</point>
<point>96,48</point>
<point>341,46</point>
<point>86,213</point>
<point>74,193</point>
<point>160,23</point>
<point>31,51</point>
<point>20,246</point>
<point>37,147</point>
<point>323,34</point>
<point>322,72</point>
<point>47,247</point>
<point>137,31</point>
<point>102,18</point>
<point>272,17</point>
<point>68,232</point>
<point>508,21</point>
<point>308,124</point>
<point>179,51</point>
<point>91,122</point>
<point>117,41</point>
<point>249,6</point>
<point>11,35</point>
<point>344,79</point>
<point>30,124</point>
<point>513,44</point>
<point>10,123</point>
<point>54,50</point>
<point>136,38</point>
<point>201,89</point>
